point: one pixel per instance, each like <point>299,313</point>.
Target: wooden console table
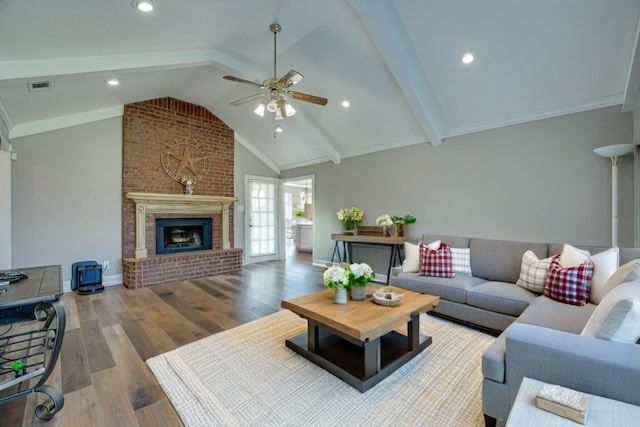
<point>347,240</point>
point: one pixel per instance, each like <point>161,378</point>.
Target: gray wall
<point>245,164</point>
<point>5,209</point>
<point>66,197</point>
<point>539,181</point>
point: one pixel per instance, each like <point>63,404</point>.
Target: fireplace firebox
<point>174,235</point>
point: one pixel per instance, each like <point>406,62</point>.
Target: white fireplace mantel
<point>159,203</point>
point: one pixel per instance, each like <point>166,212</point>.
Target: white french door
<point>261,216</point>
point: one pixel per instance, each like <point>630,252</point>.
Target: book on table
<point>563,401</point>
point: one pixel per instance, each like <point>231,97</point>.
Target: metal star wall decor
<point>185,160</point>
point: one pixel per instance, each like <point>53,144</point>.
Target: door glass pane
<point>263,218</point>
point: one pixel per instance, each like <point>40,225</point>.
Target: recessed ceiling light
<point>114,81</point>
<point>345,103</point>
<point>468,56</point>
<point>142,5</point>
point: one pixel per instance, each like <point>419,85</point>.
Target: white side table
<point>601,412</point>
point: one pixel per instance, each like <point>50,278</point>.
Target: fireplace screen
<point>175,235</point>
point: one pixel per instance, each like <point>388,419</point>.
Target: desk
<point>394,243</point>
<point>601,412</point>
<point>27,355</point>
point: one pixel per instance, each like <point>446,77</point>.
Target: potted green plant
<point>400,221</point>
<point>298,211</point>
<point>361,275</point>
<point>338,277</point>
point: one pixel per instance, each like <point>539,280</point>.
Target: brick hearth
<point>147,127</point>
<point>138,273</point>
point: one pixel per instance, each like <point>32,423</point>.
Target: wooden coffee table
<point>356,341</point>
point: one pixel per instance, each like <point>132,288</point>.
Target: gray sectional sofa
<point>539,337</point>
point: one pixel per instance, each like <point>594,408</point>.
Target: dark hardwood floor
<point>101,369</point>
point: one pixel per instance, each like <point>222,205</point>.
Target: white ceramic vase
<point>340,297</point>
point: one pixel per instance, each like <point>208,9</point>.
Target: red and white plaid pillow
<point>436,263</point>
<point>570,285</point>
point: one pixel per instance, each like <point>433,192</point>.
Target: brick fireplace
<point>151,193</point>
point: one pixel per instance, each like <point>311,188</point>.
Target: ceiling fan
<point>276,91</point>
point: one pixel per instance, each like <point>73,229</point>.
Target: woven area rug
<point>246,376</point>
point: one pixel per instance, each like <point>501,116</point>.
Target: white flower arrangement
<point>361,274</point>
<point>384,220</point>
<point>351,217</point>
<point>350,214</point>
<point>337,276</point>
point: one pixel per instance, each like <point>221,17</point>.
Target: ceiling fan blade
<point>289,79</point>
<point>308,98</point>
<point>248,98</point>
<point>239,80</point>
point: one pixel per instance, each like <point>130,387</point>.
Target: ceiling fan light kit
<point>276,91</point>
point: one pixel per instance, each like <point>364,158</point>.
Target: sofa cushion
<point>533,272</point>
<point>570,285</point>
<point>500,260</point>
<point>617,317</point>
<point>436,263</point>
<point>453,241</point>
<point>543,312</point>
<point>500,297</point>
<point>552,314</point>
<point>453,289</point>
<point>461,260</point>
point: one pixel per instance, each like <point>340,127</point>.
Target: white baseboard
<point>115,279</point>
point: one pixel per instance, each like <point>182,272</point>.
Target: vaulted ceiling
<point>397,62</point>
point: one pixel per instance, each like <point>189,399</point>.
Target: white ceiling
<point>398,62</point>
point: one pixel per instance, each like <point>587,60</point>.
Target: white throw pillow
<point>604,265</point>
<point>617,317</point>
<point>572,256</point>
<point>435,245</point>
<point>630,272</point>
<point>533,272</point>
<point>412,259</point>
<point>461,259</point>
<point>411,262</point>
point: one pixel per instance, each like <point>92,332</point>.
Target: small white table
<point>601,412</point>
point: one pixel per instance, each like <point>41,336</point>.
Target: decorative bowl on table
<point>386,297</point>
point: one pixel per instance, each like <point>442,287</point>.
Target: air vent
<point>39,86</point>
